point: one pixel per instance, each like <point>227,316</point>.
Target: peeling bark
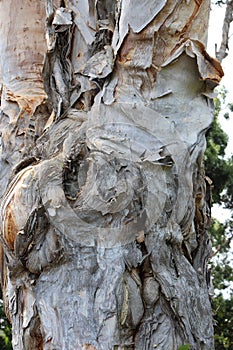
<point>105,207</point>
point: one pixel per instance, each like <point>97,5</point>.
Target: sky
<point>214,37</point>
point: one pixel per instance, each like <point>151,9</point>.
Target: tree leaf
<point>184,347</point>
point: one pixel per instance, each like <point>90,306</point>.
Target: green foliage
<point>184,347</point>
<point>220,170</point>
<point>227,196</point>
<point>223,317</point>
<point>5,329</point>
<point>222,273</point>
<point>221,235</point>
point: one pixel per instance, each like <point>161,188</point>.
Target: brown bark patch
<point>11,229</point>
<point>89,347</point>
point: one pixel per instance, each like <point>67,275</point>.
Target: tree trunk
<point>105,206</point>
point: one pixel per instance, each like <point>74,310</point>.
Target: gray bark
<point>105,206</point>
<point>228,18</point>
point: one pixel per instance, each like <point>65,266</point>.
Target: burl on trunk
<point>105,206</point>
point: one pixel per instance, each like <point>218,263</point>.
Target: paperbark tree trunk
<point>105,206</point>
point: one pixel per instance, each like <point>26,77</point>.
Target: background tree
<point>222,52</point>
<point>220,169</point>
<point>105,215</point>
<point>222,194</point>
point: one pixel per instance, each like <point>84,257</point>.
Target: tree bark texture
<point>105,206</point>
<point>228,18</point>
